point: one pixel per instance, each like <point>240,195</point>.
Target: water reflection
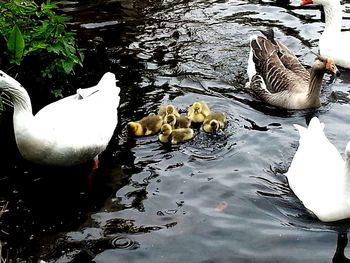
<point>339,256</point>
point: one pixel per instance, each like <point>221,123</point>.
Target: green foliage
<point>33,30</point>
<point>15,45</point>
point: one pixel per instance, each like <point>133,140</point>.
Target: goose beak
<point>332,68</point>
<point>337,74</point>
<point>306,2</point>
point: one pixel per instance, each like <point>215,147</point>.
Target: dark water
<point>220,198</point>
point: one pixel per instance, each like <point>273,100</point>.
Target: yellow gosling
<point>148,125</point>
<point>165,133</point>
<point>183,122</point>
<point>168,109</point>
<point>214,122</point>
<point>181,135</point>
<point>135,128</point>
<point>198,111</point>
<point>171,120</point>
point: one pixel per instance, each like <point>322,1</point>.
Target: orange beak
<point>331,67</point>
<point>305,2</point>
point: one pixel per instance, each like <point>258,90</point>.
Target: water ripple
<point>123,242</point>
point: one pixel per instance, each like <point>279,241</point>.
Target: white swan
<point>69,131</point>
<point>277,77</point>
<point>333,43</point>
<point>319,176</point>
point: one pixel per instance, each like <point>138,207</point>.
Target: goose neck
<point>315,84</point>
<point>347,165</point>
<point>20,98</point>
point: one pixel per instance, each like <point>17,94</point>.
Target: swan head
<point>197,107</point>
<point>327,65</point>
<point>135,128</point>
<point>166,129</point>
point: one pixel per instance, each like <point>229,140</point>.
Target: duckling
<point>168,109</point>
<point>180,122</point>
<point>175,136</point>
<point>198,111</point>
<point>148,125</point>
<point>214,122</point>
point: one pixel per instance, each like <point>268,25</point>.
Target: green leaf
<point>68,66</point>
<point>15,45</point>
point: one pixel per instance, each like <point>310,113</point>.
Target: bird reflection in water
<point>339,256</point>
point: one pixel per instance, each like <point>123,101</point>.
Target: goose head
<point>166,130</point>
<point>16,92</point>
<point>327,65</point>
<point>135,128</point>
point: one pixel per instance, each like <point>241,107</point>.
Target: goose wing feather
<point>271,68</point>
<point>287,57</point>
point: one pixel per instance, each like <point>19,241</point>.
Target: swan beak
<point>306,2</point>
<point>332,68</point>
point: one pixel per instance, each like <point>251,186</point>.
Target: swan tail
<point>313,131</point>
<point>316,125</point>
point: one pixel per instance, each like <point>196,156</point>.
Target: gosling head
<point>166,129</point>
<point>197,107</point>
<point>170,109</point>
<point>135,128</point>
<point>214,125</point>
<point>170,119</point>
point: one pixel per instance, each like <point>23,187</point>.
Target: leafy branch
<point>32,30</point>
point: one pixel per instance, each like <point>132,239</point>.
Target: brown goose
<point>277,77</point>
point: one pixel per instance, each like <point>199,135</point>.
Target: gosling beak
<point>305,2</point>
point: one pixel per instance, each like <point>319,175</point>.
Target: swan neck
<point>333,17</point>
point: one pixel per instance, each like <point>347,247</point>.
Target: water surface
<point>221,198</point>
